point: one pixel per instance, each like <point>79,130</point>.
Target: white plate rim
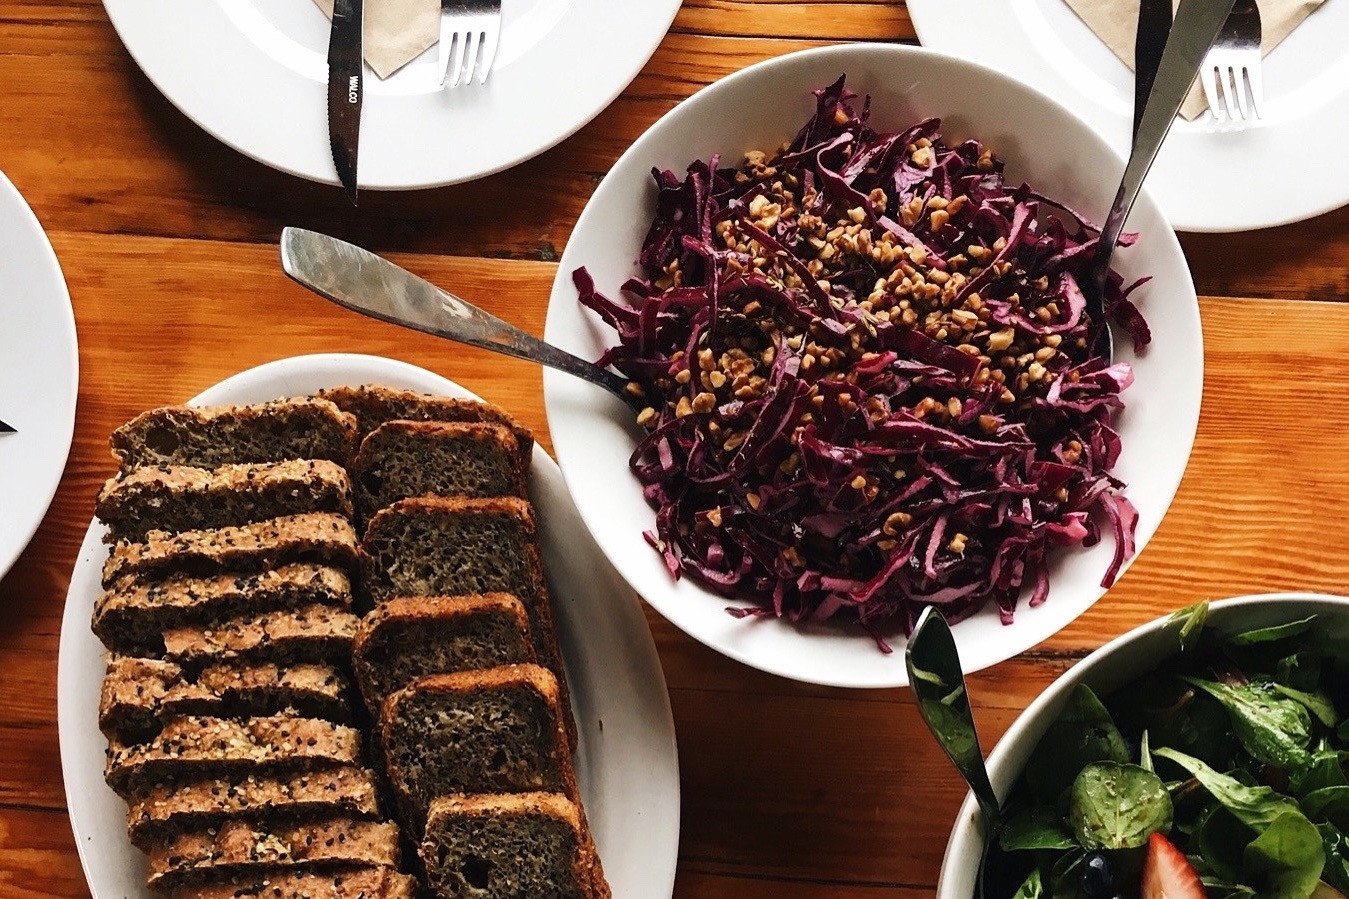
<point>39,251</point>
<point>629,640</point>
<point>571,444</point>
<point>242,107</point>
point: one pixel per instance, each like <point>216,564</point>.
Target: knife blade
<point>7,429</point>
<point>346,90</point>
<point>1154,25</point>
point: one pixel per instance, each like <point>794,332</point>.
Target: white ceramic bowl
<point>760,107</point>
<point>1108,668</point>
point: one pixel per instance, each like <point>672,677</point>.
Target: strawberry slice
<point>1167,874</point>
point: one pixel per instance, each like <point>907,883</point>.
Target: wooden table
<point>168,242</point>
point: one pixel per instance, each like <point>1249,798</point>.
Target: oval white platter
<point>626,760</point>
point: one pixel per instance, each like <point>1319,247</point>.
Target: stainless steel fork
<point>1231,71</point>
<point>469,31</point>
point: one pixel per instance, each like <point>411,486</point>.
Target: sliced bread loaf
<point>291,636</point>
<point>494,731</point>
<point>239,848</point>
<point>406,638</point>
<point>132,615</point>
<point>373,405</point>
<point>402,459</point>
<point>357,883</point>
<point>305,428</point>
<point>176,498</point>
<point>320,538</point>
<point>192,748</point>
<point>510,846</point>
<point>166,811</point>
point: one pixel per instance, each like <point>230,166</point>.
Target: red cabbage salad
<point>868,383</point>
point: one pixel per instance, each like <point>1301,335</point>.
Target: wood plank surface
<point>789,791</point>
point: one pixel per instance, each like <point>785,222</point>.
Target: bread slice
<point>373,405</point>
<point>402,459</point>
<point>322,538</point>
<point>292,636</point>
<point>494,731</point>
<point>508,846</point>
<point>407,638</point>
<point>167,811</point>
<point>358,883</point>
<point>132,615</point>
<point>239,848</point>
<point>306,428</point>
<point>178,498</point>
<point>191,748</point>
<point>132,693</point>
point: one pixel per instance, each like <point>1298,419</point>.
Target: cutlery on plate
<point>1232,66</point>
<point>938,684</point>
<point>346,90</point>
<point>1154,24</point>
<point>363,282</point>
<point>1193,32</point>
<point>469,32</point>
<point>7,429</point>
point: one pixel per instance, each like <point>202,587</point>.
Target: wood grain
<point>789,791</point>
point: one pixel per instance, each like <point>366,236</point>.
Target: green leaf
<point>1220,839</point>
<point>1114,806</point>
<point>1343,732</point>
<point>1271,634</point>
<point>1064,878</point>
<point>1336,845</point>
<point>1191,620</point>
<point>1272,729</point>
<point>1038,827</point>
<point>1301,670</point>
<point>1287,858</point>
<point>1325,769</point>
<point>1083,733</point>
<point>1256,807</point>
<point>1328,804</point>
<point>1318,703</point>
<point>1032,888</point>
<point>1145,753</point>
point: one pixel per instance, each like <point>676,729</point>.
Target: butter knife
<point>1154,24</point>
<point>346,89</point>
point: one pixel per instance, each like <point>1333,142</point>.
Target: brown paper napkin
<point>396,31</point>
<point>1116,21</point>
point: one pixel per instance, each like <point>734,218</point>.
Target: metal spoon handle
<point>366,283</point>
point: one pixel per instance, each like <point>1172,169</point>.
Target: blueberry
<point>1096,877</point>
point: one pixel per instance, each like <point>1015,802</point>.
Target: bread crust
<point>374,404</point>
<point>361,883</point>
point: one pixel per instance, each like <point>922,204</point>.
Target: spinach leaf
<point>1271,634</point>
<point>1220,840</point>
<point>1084,733</point>
<point>1191,620</point>
<point>1328,804</point>
<point>1064,877</point>
<point>1336,845</point>
<point>1218,886</point>
<point>1114,806</point>
<point>1033,888</point>
<point>1272,729</point>
<point>1343,732</point>
<point>1301,670</point>
<point>1326,769</point>
<point>1316,702</point>
<point>1145,753</point>
<point>1256,807</point>
<point>1287,858</point>
<point>1039,827</point>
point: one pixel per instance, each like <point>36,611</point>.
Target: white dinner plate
<point>1041,142</point>
<point>254,74</point>
<point>1206,178</point>
<point>39,373</point>
<point>625,759</point>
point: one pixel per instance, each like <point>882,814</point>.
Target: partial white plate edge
<point>611,624</point>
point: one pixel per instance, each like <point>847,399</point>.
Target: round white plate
<point>1205,178</point>
<point>759,107</point>
<point>254,74</point>
<point>625,760</point>
<point>39,373</point>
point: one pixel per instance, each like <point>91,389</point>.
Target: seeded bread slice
<point>192,748</point>
<point>306,428</point>
<point>167,811</point>
<point>324,539</point>
<point>402,459</point>
<point>239,848</point>
<point>359,883</point>
<point>291,636</point>
<point>373,405</point>
<point>508,846</point>
<point>178,498</point>
<point>494,731</point>
<point>407,638</point>
<point>133,614</point>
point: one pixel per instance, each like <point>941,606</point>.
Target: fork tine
<point>458,65</point>
<point>1256,81</point>
<point>443,51</point>
<point>1238,84</point>
<point>490,36</point>
<point>470,57</point>
<point>1208,75</point>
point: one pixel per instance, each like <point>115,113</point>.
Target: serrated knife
<point>346,89</point>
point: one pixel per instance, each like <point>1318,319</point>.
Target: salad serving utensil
<point>1193,32</point>
<point>469,33</point>
<point>1154,24</point>
<point>363,282</point>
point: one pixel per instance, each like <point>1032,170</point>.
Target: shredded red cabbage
<point>869,384</point>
